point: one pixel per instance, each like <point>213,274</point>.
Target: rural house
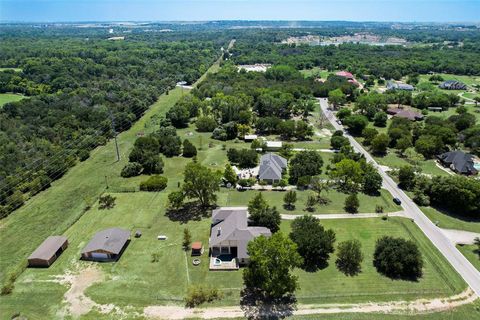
<point>459,162</point>
<point>391,85</point>
<point>453,85</point>
<point>271,168</point>
<point>405,113</point>
<point>106,245</point>
<point>229,237</point>
<point>48,251</point>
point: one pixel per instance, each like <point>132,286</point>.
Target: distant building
<point>106,245</point>
<point>250,137</point>
<point>405,113</point>
<point>392,85</point>
<point>229,237</point>
<point>271,168</point>
<point>348,76</point>
<point>273,145</point>
<point>48,251</point>
<point>116,38</point>
<point>459,162</point>
<point>258,67</point>
<point>453,85</point>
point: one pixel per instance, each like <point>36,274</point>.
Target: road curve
<point>438,238</point>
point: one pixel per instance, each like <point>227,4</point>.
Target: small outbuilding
<point>197,248</point>
<point>48,251</point>
<point>453,85</point>
<point>106,245</point>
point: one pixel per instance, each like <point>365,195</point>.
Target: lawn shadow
<point>256,306</point>
<point>464,218</point>
<point>191,211</point>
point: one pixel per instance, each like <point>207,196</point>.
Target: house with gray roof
<point>229,237</point>
<point>453,85</point>
<point>271,168</point>
<point>106,245</point>
<point>392,85</point>
<point>459,162</point>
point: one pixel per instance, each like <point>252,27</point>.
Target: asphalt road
<point>443,244</point>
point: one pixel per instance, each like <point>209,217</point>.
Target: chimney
<point>219,232</point>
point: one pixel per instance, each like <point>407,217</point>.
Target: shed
<point>250,137</point>
<point>48,251</point>
<point>273,145</point>
<point>106,245</point>
<point>197,248</point>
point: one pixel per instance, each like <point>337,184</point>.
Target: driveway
<point>438,238</point>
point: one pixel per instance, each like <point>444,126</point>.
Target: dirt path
<point>77,303</point>
<point>417,306</point>
<point>346,215</point>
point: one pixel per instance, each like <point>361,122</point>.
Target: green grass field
<point>137,282</point>
<point>9,97</point>
<point>471,253</point>
<point>14,69</point>
<point>468,80</point>
<point>316,71</point>
<point>275,198</point>
<point>451,221</point>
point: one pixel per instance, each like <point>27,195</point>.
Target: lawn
<point>275,198</point>
<point>316,71</point>
<point>471,253</point>
<point>393,161</point>
<point>448,220</point>
<point>9,97</point>
<point>468,80</point>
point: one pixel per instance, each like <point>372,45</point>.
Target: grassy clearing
<point>471,253</point>
<point>9,97</point>
<point>393,161</point>
<point>14,69</point>
<point>468,80</point>
<point>318,72</point>
<point>448,220</point>
<point>275,198</point>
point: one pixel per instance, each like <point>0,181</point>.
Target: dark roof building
<point>391,85</point>
<point>405,113</point>
<point>230,232</point>
<point>106,245</point>
<point>453,85</point>
<point>271,167</point>
<point>459,162</point>
<point>48,251</point>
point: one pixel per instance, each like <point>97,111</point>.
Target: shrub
<point>378,209</point>
<point>106,202</point>
<point>83,155</point>
<point>198,295</point>
<point>352,203</point>
<point>154,183</point>
<point>205,124</point>
<point>189,149</point>
<point>131,170</point>
<point>398,258</point>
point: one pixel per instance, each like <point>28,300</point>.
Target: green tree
<point>154,183</point>
<point>187,239</point>
<point>311,202</point>
<point>229,175</point>
<point>314,243</point>
<point>398,258</point>
<point>336,98</point>
<point>269,274</point>
<point>406,177</point>
<point>175,200</point>
<point>372,180</point>
<point>347,174</point>
<point>356,123</point>
<point>189,149</point>
<point>349,257</point>
<point>380,119</point>
<point>368,135</point>
<point>261,214</point>
<point>352,203</point>
<point>205,124</point>
<point>201,183</point>
<point>305,163</point>
<point>290,198</point>
<point>380,144</point>
<point>106,202</point>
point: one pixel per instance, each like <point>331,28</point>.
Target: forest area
<point>80,88</point>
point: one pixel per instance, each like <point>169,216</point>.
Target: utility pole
<point>114,135</point>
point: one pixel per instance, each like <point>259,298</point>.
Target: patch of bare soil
<point>412,307</point>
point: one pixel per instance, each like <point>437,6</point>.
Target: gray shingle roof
<point>48,248</point>
<point>110,240</point>
<point>271,167</point>
<point>232,224</point>
<point>460,161</point>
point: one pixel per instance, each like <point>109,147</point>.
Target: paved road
<point>438,238</point>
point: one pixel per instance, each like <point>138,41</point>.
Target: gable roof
<point>271,167</point>
<point>48,248</point>
<point>231,224</point>
<point>460,161</point>
<point>344,74</point>
<point>110,240</point>
<point>391,85</point>
<point>452,84</point>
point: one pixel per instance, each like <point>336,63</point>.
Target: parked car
<point>397,201</point>
<point>339,122</point>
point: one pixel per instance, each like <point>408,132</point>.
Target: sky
<point>202,10</point>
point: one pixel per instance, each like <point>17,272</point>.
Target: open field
<point>137,282</point>
<point>468,80</point>
<point>471,253</point>
<point>275,198</point>
<point>393,161</point>
<point>451,221</point>
<point>317,72</point>
<point>9,97</point>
